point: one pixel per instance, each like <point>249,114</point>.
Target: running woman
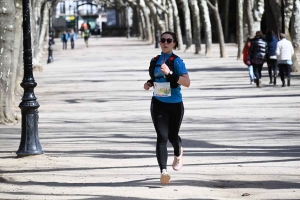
<point>168,73</point>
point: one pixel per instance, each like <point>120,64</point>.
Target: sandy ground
<point>240,142</point>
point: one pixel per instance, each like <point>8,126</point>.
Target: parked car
<point>96,30</point>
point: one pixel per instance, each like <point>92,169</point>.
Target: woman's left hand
<point>165,69</point>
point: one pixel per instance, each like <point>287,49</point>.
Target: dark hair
<point>259,33</point>
<point>282,35</point>
<point>269,34</point>
<point>174,36</point>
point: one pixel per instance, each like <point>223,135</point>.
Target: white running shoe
<point>165,177</point>
<point>178,161</point>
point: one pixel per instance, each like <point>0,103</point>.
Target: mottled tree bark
<point>258,11</point>
<point>249,17</point>
<point>177,24</point>
<point>196,25</point>
<point>240,29</point>
<point>223,53</point>
<point>170,17</point>
<point>7,37</point>
<point>142,6</point>
<point>226,20</point>
<point>276,5</point>
<point>296,26</point>
<point>207,28</point>
<point>187,22</point>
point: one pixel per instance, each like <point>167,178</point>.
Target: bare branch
<point>159,6</point>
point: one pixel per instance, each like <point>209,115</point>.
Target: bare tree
<point>187,22</point>
<point>215,10</point>
<point>170,17</point>
<point>15,79</point>
<point>177,24</point>
<point>196,24</point>
<point>258,11</point>
<point>276,6</point>
<point>7,27</point>
<point>226,20</point>
<point>207,27</point>
<point>296,25</point>
<point>249,17</point>
<point>240,29</point>
<point>147,28</point>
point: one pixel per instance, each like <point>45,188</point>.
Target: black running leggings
<point>167,119</point>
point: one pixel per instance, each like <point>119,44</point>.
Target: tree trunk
<point>271,23</point>
<point>249,17</point>
<point>141,23</point>
<point>177,24</point>
<point>196,25</point>
<point>226,20</point>
<point>187,22</point>
<point>207,28</point>
<point>276,5</point>
<point>43,31</point>
<point>240,29</point>
<point>170,17</point>
<point>7,27</point>
<point>35,22</point>
<point>296,26</point>
<point>258,11</point>
<point>15,82</point>
<point>215,10</point>
<point>146,20</point>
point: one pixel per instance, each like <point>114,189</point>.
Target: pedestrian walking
<point>284,52</point>
<point>271,56</point>
<point>167,73</point>
<point>86,36</point>
<point>247,61</point>
<point>72,38</point>
<point>64,39</point>
<point>258,51</point>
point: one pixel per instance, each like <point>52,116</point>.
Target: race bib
<point>162,89</point>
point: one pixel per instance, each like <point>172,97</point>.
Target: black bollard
<point>30,144</point>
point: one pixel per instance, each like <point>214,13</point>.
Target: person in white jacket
<point>284,52</point>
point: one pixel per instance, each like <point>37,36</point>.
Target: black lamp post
<point>50,50</point>
<point>30,144</point>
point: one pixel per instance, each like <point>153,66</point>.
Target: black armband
<point>150,81</point>
<point>172,77</point>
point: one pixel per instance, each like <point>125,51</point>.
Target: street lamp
<point>30,144</point>
<point>50,50</point>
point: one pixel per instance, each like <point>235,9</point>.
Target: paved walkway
<point>99,141</point>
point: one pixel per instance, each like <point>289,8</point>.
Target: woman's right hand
<point>147,85</point>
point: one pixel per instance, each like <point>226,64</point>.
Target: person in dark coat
<point>258,52</point>
<point>271,57</point>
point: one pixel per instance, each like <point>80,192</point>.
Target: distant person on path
<point>258,52</point>
<point>247,61</point>
<point>72,38</point>
<point>168,73</point>
<point>64,39</point>
<point>88,26</point>
<point>86,36</point>
<point>284,51</point>
<point>82,27</point>
<point>271,56</point>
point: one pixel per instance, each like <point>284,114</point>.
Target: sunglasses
<point>163,40</point>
